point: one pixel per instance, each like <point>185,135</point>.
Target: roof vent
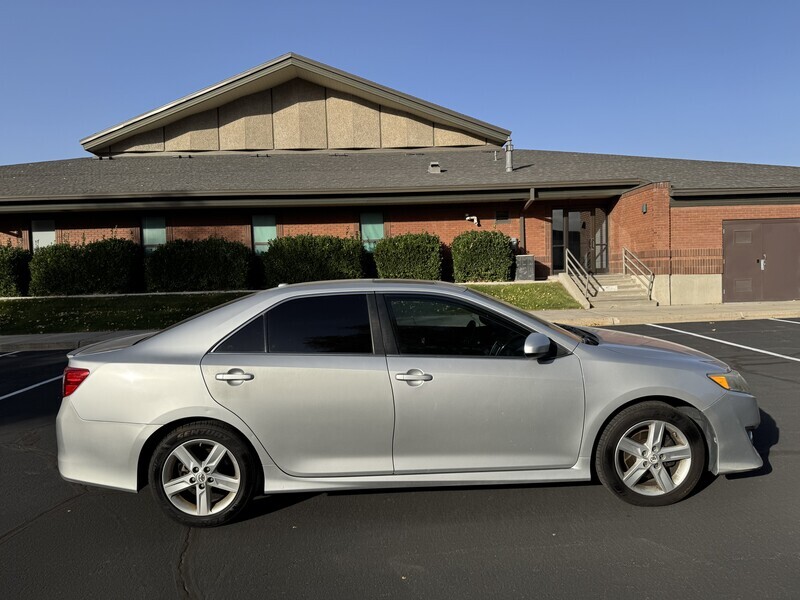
<point>434,167</point>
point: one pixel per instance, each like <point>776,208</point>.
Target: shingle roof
<point>369,171</point>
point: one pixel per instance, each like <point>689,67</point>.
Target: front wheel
<point>202,474</point>
<point>651,455</point>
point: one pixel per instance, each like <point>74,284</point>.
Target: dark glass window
<point>501,216</point>
<point>250,338</point>
<point>427,325</point>
<point>320,324</point>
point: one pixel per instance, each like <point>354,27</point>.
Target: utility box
<point>526,268</point>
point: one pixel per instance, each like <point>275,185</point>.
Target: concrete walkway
<point>578,316</point>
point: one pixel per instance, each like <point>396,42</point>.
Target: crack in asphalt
<point>181,576</point>
<point>8,535</point>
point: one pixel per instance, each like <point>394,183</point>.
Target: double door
<point>584,232</point>
<point>761,260</point>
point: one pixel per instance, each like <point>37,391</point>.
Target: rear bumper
<point>730,418</point>
<point>99,453</point>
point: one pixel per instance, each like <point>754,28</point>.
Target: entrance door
<point>762,260</point>
<point>585,233</point>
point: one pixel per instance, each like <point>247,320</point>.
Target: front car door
<point>308,379</point>
<point>466,397</point>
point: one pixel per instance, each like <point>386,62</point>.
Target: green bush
<point>409,256</point>
<point>112,266</point>
<point>482,256</point>
<point>299,258</point>
<point>198,265</point>
<point>57,270</point>
<point>14,273</point>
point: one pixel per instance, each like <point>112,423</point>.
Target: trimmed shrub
<point>57,270</point>
<point>409,256</point>
<point>299,258</point>
<point>14,273</point>
<point>112,266</point>
<point>482,256</point>
<point>198,265</point>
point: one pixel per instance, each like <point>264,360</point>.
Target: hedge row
<point>111,266</point>
<point>116,266</point>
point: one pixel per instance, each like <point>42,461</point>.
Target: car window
<point>320,324</point>
<point>250,338</point>
<point>438,326</point>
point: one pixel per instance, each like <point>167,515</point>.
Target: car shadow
<point>764,438</point>
<point>263,505</point>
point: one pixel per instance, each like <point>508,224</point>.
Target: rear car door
<point>309,378</point>
<point>466,397</point>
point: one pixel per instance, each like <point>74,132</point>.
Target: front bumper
<point>731,418</point>
<point>99,453</point>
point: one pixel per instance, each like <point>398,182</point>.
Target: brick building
<point>294,146</point>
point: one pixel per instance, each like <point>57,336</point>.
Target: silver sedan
<point>386,384</point>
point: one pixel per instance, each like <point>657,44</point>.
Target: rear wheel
<point>651,455</point>
<point>202,474</point>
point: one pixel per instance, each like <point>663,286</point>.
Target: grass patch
<point>147,311</point>
<point>107,313</point>
<point>531,296</point>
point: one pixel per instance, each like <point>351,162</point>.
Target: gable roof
<point>281,70</point>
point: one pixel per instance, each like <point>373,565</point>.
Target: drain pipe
<point>509,155</point>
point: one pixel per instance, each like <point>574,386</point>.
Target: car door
<point>308,379</point>
<point>466,397</point>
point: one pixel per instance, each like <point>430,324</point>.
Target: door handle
<point>234,377</point>
<point>413,377</point>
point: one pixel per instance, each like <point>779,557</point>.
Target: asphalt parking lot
<point>737,538</point>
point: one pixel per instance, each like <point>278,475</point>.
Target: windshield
<point>527,315</point>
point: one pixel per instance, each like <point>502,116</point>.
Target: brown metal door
<point>781,245</point>
<point>743,255</point>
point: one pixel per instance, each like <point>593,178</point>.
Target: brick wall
<point>645,234</point>
<point>14,232</point>
<point>78,228</point>
<point>233,226</point>
<point>449,221</point>
<point>696,237</point>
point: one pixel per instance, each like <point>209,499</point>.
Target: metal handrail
<point>574,269</point>
<point>633,265</point>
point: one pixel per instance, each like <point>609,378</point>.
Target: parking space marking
<point>30,387</point>
<point>8,353</point>
<point>785,321</point>
<point>705,337</point>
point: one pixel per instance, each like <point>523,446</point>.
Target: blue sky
<point>700,79</point>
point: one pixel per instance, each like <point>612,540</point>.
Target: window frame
<point>390,337</point>
<point>264,245</point>
<point>370,243</point>
<point>148,248</point>
<point>374,325</point>
<point>34,246</point>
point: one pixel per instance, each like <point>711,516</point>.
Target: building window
<point>371,229</point>
<point>264,231</point>
<point>43,233</point>
<point>154,233</point>
<point>501,216</point>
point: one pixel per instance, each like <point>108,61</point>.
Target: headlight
<point>732,381</point>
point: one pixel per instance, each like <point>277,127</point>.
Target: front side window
<point>320,324</point>
<point>371,229</point>
<point>43,233</point>
<point>264,231</point>
<point>154,233</point>
<point>443,327</point>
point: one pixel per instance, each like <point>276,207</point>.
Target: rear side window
<point>322,324</point>
<point>250,338</point>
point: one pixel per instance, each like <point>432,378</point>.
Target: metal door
<point>761,260</point>
<point>585,233</point>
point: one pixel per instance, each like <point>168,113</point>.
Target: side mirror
<point>536,345</point>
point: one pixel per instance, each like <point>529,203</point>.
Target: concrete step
<point>623,295</point>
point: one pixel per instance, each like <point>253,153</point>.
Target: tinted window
<point>320,324</point>
<point>446,328</point>
<point>250,338</point>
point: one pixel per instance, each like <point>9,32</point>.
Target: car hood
<point>642,346</point>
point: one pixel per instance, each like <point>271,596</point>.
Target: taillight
<point>72,379</point>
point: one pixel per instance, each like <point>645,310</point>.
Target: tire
<point>202,474</point>
<point>634,451</point>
